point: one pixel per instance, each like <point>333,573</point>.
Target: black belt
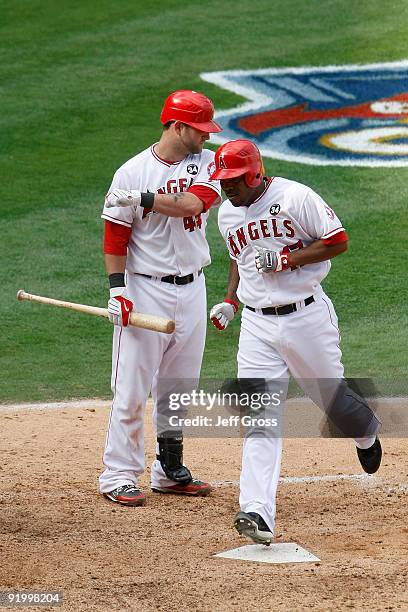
<point>281,310</point>
<point>175,280</point>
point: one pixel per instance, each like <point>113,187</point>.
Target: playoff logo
<point>352,115</point>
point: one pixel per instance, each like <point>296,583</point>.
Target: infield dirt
<point>58,533</point>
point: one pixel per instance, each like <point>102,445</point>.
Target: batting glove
<point>121,197</point>
<point>222,314</point>
<point>119,307</point>
<point>271,261</point>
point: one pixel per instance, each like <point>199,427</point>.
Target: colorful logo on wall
<point>355,115</point>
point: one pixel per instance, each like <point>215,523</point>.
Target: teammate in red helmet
<point>155,265</point>
<point>281,236</point>
<point>191,108</point>
<point>239,159</point>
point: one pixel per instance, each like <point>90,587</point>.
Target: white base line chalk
<point>301,479</point>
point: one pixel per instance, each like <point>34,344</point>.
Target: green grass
<point>83,85</point>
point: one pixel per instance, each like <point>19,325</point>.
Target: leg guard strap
<point>171,458</point>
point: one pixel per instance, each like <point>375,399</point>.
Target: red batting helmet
<point>239,157</point>
<point>191,108</point>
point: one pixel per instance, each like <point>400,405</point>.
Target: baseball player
<point>281,236</point>
<point>155,263</point>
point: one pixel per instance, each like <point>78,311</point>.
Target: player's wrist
<point>233,303</point>
<point>116,279</point>
<point>285,260</point>
<point>147,199</point>
<point>115,292</point>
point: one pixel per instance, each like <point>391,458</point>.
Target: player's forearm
<point>115,264</point>
<point>233,281</point>
<point>316,252</point>
<point>177,204</point>
<point>185,204</point>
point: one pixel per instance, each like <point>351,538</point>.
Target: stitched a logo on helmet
<point>221,162</point>
<point>351,115</point>
<point>192,169</point>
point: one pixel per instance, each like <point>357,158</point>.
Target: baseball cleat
<point>253,526</point>
<point>370,458</point>
<point>128,495</point>
<point>194,488</point>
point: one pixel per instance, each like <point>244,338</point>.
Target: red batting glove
<point>119,307</point>
<point>283,261</point>
<point>222,314</point>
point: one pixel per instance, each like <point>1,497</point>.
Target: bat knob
<point>20,294</point>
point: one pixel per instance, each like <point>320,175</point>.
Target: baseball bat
<point>137,319</point>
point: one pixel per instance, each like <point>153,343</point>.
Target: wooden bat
<point>136,319</point>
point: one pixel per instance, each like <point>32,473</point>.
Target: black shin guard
<point>350,416</point>
<point>171,457</point>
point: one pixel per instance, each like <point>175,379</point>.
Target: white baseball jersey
<point>161,245</point>
<point>287,216</point>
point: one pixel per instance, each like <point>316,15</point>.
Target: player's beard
<point>192,147</point>
<point>194,150</point>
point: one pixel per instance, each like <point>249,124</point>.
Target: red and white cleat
<point>128,495</point>
<point>194,487</point>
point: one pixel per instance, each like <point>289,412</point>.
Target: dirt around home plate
<point>58,533</point>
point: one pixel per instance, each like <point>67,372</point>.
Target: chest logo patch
<point>274,209</point>
<point>351,115</point>
<point>192,169</point>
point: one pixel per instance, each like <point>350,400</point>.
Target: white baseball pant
<point>140,358</point>
<point>304,344</point>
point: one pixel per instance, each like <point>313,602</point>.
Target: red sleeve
<point>207,195</point>
<point>336,238</point>
<point>116,238</point>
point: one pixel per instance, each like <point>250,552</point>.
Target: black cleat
<point>370,458</point>
<point>253,526</point>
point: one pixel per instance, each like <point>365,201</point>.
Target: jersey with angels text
<point>161,245</point>
<point>287,216</point>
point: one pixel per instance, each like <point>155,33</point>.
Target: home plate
<point>275,553</point>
